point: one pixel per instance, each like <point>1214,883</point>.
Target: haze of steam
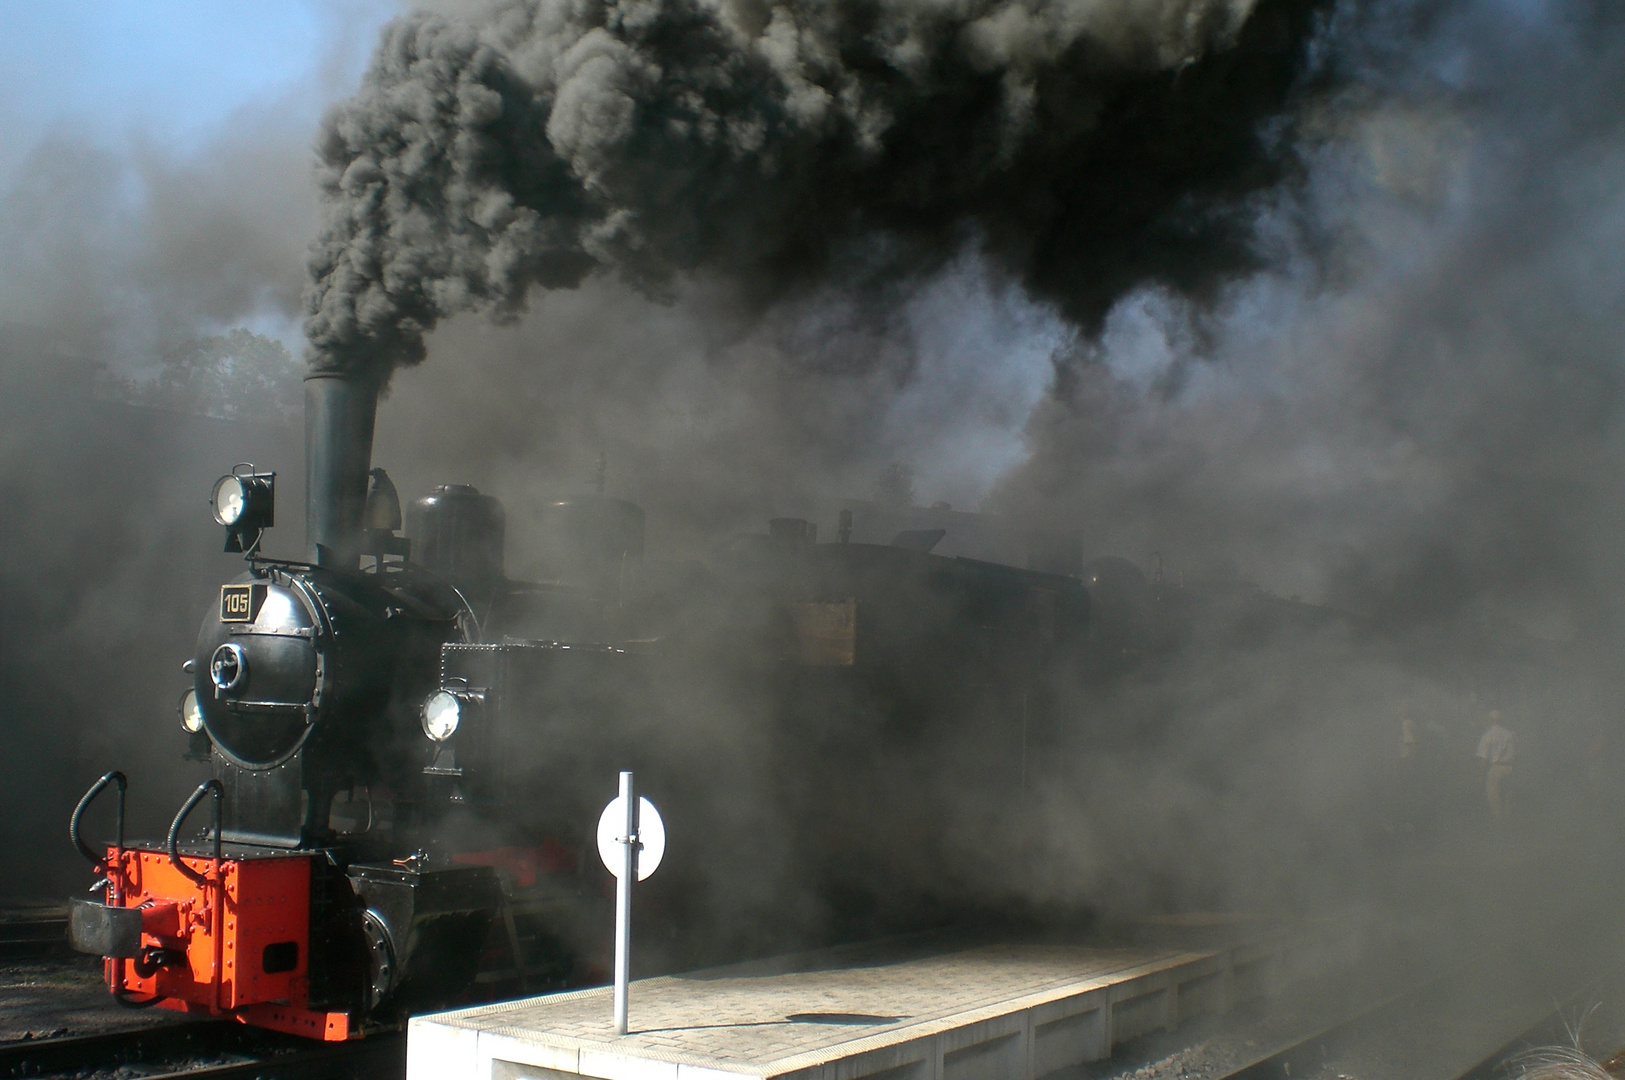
<point>1088,144</point>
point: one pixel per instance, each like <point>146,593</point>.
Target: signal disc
<point>651,833</point>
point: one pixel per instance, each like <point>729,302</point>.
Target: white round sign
<point>651,836</point>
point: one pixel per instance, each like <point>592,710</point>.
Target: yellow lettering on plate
<point>240,603</point>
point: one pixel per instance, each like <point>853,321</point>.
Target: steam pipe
<point>339,413</point>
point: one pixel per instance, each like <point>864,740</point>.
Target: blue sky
<point>170,71</point>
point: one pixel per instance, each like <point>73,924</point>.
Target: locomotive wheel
<point>381,973</point>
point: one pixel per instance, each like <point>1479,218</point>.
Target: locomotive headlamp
<point>245,503</point>
<point>442,712</point>
<point>191,712</point>
<point>230,500</point>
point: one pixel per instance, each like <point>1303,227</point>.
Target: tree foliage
<point>238,375</point>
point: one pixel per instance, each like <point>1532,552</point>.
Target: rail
<point>1479,1057</point>
<point>32,935</point>
<point>209,1050</point>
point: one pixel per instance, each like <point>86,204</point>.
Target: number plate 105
<point>241,603</point>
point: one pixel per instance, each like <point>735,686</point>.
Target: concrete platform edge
<point>1025,1037</point>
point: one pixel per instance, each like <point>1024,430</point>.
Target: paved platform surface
<point>1001,1011</point>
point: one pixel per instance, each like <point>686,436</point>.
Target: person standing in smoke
<point>1495,752</point>
<point>1408,799</point>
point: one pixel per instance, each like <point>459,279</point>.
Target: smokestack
<point>339,412</point>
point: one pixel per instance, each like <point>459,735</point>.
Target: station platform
<point>992,1011</point>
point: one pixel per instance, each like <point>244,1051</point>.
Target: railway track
<point>203,1051</point>
<point>1437,1031</point>
<point>32,935</point>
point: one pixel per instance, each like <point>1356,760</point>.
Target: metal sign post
<point>623,902</point>
<point>631,841</point>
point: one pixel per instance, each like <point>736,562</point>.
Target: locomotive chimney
<point>339,414</point>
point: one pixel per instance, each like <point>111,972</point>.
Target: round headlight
<point>230,499</point>
<point>191,712</point>
<point>440,715</point>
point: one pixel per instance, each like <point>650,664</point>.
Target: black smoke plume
<point>1087,148</point>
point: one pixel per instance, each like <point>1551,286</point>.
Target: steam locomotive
<point>409,749</point>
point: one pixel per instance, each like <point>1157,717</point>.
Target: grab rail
<point>208,787</point>
<point>98,861</point>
